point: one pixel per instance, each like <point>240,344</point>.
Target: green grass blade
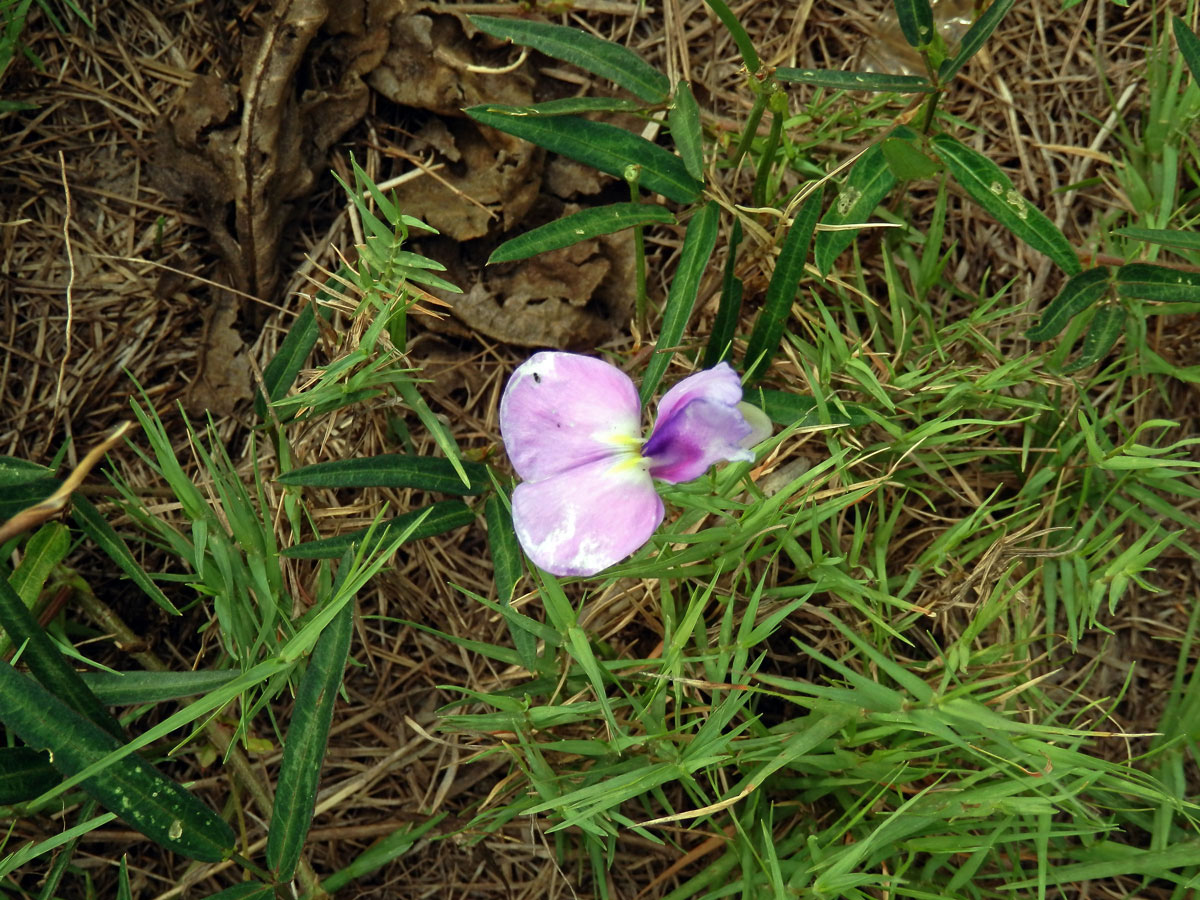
<point>738,33</point>
<point>1079,293</point>
<point>437,518</point>
<point>88,518</point>
<point>23,484</point>
<point>246,890</point>
<point>975,37</point>
<point>729,309</point>
<point>304,747</point>
<point>592,54</point>
<point>916,21</point>
<point>838,80</point>
<point>1102,334</point>
<point>1167,237</point>
<point>506,572</point>
<point>135,688</point>
<point>574,106</point>
<point>580,226</point>
<point>683,119</point>
<point>398,470</point>
<point>24,774</point>
<point>381,853</point>
<point>777,309</point>
<point>869,181</point>
<point>1145,281</point>
<point>698,244</point>
<point>130,787</point>
<point>441,435</point>
<point>47,664</point>
<point>1189,46</point>
<point>280,373</point>
<point>45,549</point>
<point>988,186</point>
<point>604,147</point>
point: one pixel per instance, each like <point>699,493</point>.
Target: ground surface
<point>138,247</point>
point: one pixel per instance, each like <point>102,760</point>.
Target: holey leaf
<point>604,147</point>
<point>988,186</point>
<point>580,226</point>
<point>916,21</point>
<point>130,787</point>
<point>1145,281</point>
<point>609,60</point>
<point>869,181</point>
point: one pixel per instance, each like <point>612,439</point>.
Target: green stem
<point>633,175</point>
<point>756,114</point>
<point>778,104</point>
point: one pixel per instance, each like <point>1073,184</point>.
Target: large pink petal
<point>720,384</point>
<point>585,520</point>
<point>562,410</point>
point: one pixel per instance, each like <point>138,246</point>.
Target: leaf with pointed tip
<point>437,518</point>
<point>1102,335</point>
<point>988,186</point>
<point>397,470</point>
<point>130,787</point>
<point>604,147</point>
<point>786,408</point>
<point>574,106</point>
<point>916,21</point>
<point>1079,293</point>
<point>720,342</point>
<point>781,291</point>
<point>698,243</point>
<point>1145,281</point>
<point>981,29</point>
<point>839,80</point>
<point>93,524</point>
<point>580,226</point>
<point>1167,237</point>
<point>607,59</point>
<point>24,774</point>
<point>683,119</point>
<point>1189,46</point>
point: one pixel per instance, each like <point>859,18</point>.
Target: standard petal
<point>585,520</point>
<point>562,410</point>
<point>694,437</point>
<point>720,384</point>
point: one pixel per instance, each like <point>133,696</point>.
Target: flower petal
<point>720,384</point>
<point>587,519</point>
<point>562,410</point>
<point>684,445</point>
<point>759,422</point>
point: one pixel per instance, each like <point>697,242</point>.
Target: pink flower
<point>572,427</point>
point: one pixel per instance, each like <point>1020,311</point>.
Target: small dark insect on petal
<point>537,377</point>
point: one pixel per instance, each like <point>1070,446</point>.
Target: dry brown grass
<point>106,281</point>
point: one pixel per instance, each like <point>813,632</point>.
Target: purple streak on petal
<point>695,437</point>
<point>719,384</point>
<point>561,410</point>
<point>585,520</point>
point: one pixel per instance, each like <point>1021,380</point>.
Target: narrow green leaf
<point>916,21</point>
<point>1189,46</point>
<point>868,182</point>
<point>398,470</point>
<point>574,106</point>
<point>1080,292</point>
<point>24,774</point>
<point>698,244</point>
<point>990,188</point>
<point>47,664</point>
<point>838,80</point>
<point>437,518</point>
<point>135,688</point>
<point>738,33</point>
<point>441,434</point>
<point>592,54</point>
<point>23,484</point>
<point>381,853</point>
<point>580,226</point>
<point>981,29</point>
<point>729,309</point>
<point>124,892</point>
<point>1101,335</point>
<point>304,747</point>
<point>604,147</point>
<point>45,549</point>
<point>1145,281</point>
<point>245,890</point>
<point>280,373</point>
<point>506,572</point>
<point>906,161</point>
<point>130,787</point>
<point>781,291</point>
<point>89,520</point>
<point>683,118</point>
<point>786,408</point>
<point>1167,237</point>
